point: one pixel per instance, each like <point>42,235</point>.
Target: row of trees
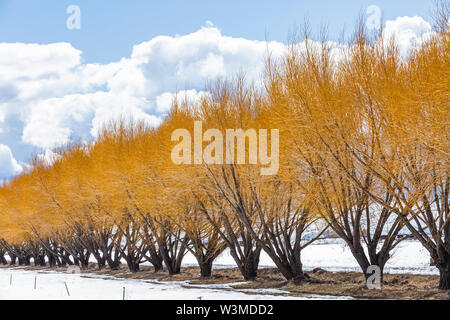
<point>363,148</point>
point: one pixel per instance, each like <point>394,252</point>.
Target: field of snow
<point>20,284</point>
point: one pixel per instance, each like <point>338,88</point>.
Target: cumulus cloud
<point>166,63</point>
<point>34,61</point>
<point>48,157</point>
<point>8,165</point>
<point>165,100</point>
<point>58,98</point>
<point>55,121</point>
<point>408,32</point>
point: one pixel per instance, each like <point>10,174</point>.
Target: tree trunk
<point>173,259</point>
<point>3,260</point>
<point>364,263</point>
<point>101,260</point>
<point>294,273</point>
<point>248,264</point>
<point>13,259</point>
<point>173,266</point>
<point>133,265</point>
<point>155,259</point>
<point>206,268</point>
<point>299,278</point>
<point>114,264</point>
<point>84,262</point>
<point>51,259</point>
<point>101,263</point>
<point>24,261</point>
<point>290,270</point>
<point>378,258</point>
<point>444,275</point>
<point>157,264</point>
<point>39,260</point>
<point>249,270</point>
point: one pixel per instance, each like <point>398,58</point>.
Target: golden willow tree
<point>122,146</point>
<point>409,106</point>
<point>239,192</point>
<point>209,214</point>
<point>312,96</point>
<point>369,128</point>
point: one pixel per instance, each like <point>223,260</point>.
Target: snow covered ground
<point>409,257</point>
<point>20,284</point>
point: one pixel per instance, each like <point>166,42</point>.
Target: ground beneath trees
<point>322,283</point>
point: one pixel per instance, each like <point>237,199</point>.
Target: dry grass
<point>395,286</point>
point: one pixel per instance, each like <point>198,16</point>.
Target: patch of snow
<point>62,286</point>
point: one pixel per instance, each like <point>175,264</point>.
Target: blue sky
<point>111,28</point>
<point>131,57</point>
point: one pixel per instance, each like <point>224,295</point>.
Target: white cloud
<point>48,157</point>
<point>164,101</point>
<point>408,32</point>
<point>169,63</point>
<point>55,121</point>
<point>8,165</point>
<point>116,106</point>
<point>58,98</point>
<point>34,61</point>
